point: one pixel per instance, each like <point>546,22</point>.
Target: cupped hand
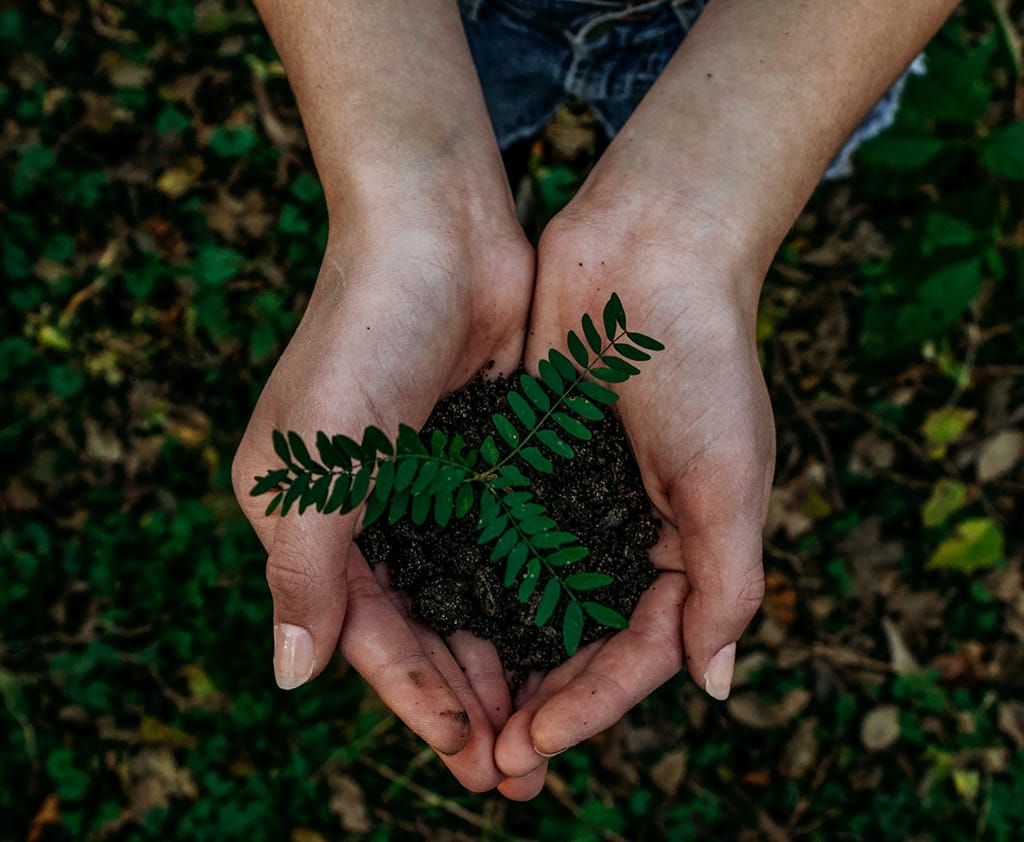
<point>396,320</point>
<point>700,424</point>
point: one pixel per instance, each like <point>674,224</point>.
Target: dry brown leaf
<point>880,728</point>
<point>1000,454</point>
<point>348,803</point>
<point>801,752</point>
<point>751,710</point>
<point>304,834</point>
<point>669,772</point>
<point>151,779</point>
<point>48,815</point>
<point>903,662</point>
<point>1011,721</point>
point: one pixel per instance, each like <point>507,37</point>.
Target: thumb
<point>306,574</point>
<point>723,564</point>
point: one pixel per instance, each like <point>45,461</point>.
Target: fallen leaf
<point>977,544</point>
<point>801,752</point>
<point>967,783</point>
<point>947,497</point>
<point>348,803</point>
<point>48,815</point>
<point>669,772</point>
<point>944,426</point>
<point>1000,454</point>
<point>751,710</point>
<point>880,728</point>
<point>152,730</point>
<point>902,661</point>
<point>304,834</point>
<point>1011,721</point>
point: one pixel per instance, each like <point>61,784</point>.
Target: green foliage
<point>441,480</point>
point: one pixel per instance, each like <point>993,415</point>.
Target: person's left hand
<point>700,423</point>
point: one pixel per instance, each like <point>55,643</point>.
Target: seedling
<point>442,479</point>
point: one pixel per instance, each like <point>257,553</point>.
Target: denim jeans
<point>532,55</point>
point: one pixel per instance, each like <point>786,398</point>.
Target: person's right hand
<point>406,309</point>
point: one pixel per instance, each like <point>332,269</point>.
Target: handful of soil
<point>598,496</point>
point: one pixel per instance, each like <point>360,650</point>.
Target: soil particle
<point>452,584</point>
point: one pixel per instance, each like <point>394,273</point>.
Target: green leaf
<point>593,337</point>
<point>360,484</point>
<point>524,412</point>
<point>425,477</point>
<point>438,442</point>
<point>584,408</point>
<point>509,477</point>
<point>613,316</point>
<point>606,616</point>
<point>516,561</point>
<point>550,540</point>
<point>269,481</point>
<point>900,153</point>
<point>272,505</point>
<point>399,505</point>
<point>552,379</point>
<point>443,508</point>
<point>631,353</point>
<point>597,392</point>
<point>348,446</point>
<point>578,349</point>
<point>420,509</point>
<point>529,583</point>
<point>572,426</point>
<point>455,448</point>
<point>298,447</point>
<point>977,544</point>
<point>374,439</point>
<point>375,507</point>
<point>548,601</point>
<point>587,581</point>
<point>567,555</point>
<point>232,141</point>
<point>281,447</point>
<point>385,480</point>
<point>1002,152</point>
<point>294,492</point>
<point>504,546</point>
<point>506,429</point>
<point>537,460</point>
<point>406,472</point>
<point>644,341</point>
<point>620,365</point>
<point>562,364</point>
<point>535,525</point>
<point>317,495</point>
<point>943,426</point>
<point>464,500</point>
<point>342,483</point>
<point>947,497</point>
<point>489,451</point>
<point>535,392</point>
<point>409,441</point>
<point>609,375</point>
<point>329,455</point>
<point>572,628</point>
<point>555,444</point>
<point>493,530</point>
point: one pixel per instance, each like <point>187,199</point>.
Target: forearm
<point>390,100</point>
<point>746,117</point>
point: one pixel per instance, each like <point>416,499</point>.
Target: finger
<point>306,575</point>
<point>474,765</point>
<point>378,642</point>
<point>485,674</point>
<point>514,752</point>
<point>631,664</point>
<point>527,787</point>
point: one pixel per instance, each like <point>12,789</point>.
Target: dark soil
<point>449,578</point>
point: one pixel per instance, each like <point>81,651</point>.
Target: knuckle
<point>289,577</point>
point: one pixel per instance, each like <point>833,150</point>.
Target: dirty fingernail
<point>293,656</point>
<point>718,678</point>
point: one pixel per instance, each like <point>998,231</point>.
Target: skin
<point>681,217</point>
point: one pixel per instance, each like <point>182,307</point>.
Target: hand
<point>700,423</point>
<point>400,315</point>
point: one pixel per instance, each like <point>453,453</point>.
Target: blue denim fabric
<point>532,55</point>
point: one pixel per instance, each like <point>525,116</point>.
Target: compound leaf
<point>405,472</point>
<point>593,337</point>
<point>443,505</point>
<point>567,555</point>
<point>552,379</point>
<point>516,560</point>
<point>273,504</point>
<point>613,315</point>
<point>584,408</point>
<point>281,447</point>
<point>385,480</point>
<point>493,530</point>
<point>553,442</point>
<point>489,451</point>
<point>587,581</point>
<point>506,429</point>
<point>529,583</point>
<point>524,412</point>
<point>302,455</point>
<point>631,353</point>
<point>338,493</point>
<point>464,500</point>
<point>562,364</point>
<point>597,392</point>
<point>374,441</point>
<point>348,446</point>
<point>578,349</point>
<point>269,482</point>
<point>550,540</point>
<point>535,392</point>
<point>572,426</point>
<point>645,341</point>
<point>420,509</point>
<point>328,455</point>
<point>504,546</point>
<point>409,440</point>
<point>537,460</point>
<point>425,477</point>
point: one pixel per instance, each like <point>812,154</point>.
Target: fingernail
<point>293,656</point>
<point>553,754</point>
<point>718,678</point>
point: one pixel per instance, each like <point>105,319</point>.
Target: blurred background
<point>160,230</point>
